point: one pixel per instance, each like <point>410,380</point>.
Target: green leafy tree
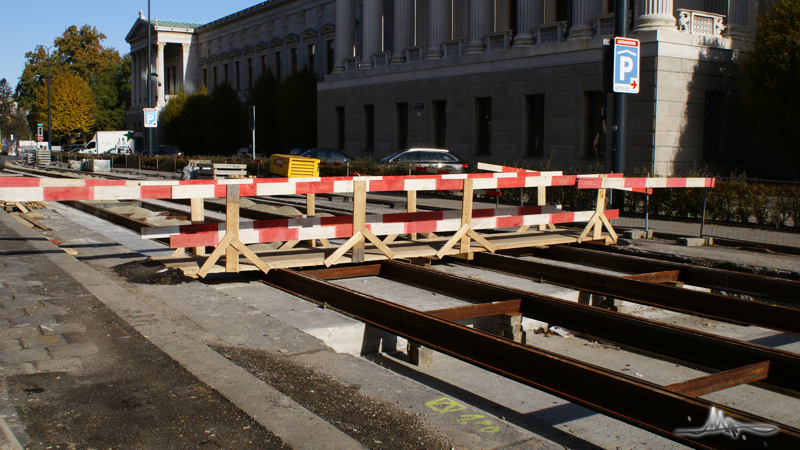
<point>170,117</point>
<point>79,51</point>
<point>772,74</point>
<point>262,96</point>
<point>296,103</point>
<point>11,122</point>
<point>229,123</point>
<point>72,106</point>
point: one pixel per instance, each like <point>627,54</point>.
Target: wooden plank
<point>722,380</point>
<point>378,243</point>
<point>477,310</point>
<point>215,255</point>
<point>601,204</point>
<point>311,212</point>
<point>331,260</point>
<point>542,200</point>
<point>466,213</point>
<point>453,240</point>
<point>237,244</point>
<point>479,239</point>
<point>198,216</point>
<point>359,218</point>
<point>35,222</point>
<point>411,206</point>
<point>669,276</point>
<point>232,227</point>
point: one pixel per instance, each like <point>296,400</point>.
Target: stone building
<point>491,80</point>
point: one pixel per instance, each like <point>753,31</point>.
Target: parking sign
<point>626,65</point>
<point>150,118</point>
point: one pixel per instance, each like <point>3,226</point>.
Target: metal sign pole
<point>620,127</point>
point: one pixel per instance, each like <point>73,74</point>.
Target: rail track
<point>766,302</point>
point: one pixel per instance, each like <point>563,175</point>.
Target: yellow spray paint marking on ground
<point>445,405</point>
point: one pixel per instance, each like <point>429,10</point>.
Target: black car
<point>163,150</point>
<point>327,155</point>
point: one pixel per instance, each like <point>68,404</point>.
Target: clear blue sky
<point>26,24</point>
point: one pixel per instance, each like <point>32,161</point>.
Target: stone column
<point>345,29</point>
<point>439,31</point>
<point>582,12</point>
<point>403,27</point>
<point>655,15</point>
<point>372,31</point>
<point>134,101</point>
<point>737,20</point>
<point>160,71</point>
<point>529,14</point>
<point>480,23</point>
<point>185,70</point>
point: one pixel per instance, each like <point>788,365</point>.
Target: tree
<point>229,122</point>
<point>262,96</point>
<point>170,118</point>
<point>79,51</point>
<point>11,122</point>
<point>772,72</point>
<point>72,106</point>
<point>296,103</point>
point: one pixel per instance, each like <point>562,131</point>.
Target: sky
<point>24,25</point>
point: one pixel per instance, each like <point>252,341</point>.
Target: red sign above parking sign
<point>626,65</point>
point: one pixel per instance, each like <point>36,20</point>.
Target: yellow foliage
<point>72,105</point>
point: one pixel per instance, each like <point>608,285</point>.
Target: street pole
<point>620,127</point>
<point>149,82</point>
<point>49,115</point>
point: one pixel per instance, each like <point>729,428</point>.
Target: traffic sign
<point>626,65</point>
<point>39,138</point>
<point>40,130</point>
<point>150,117</point>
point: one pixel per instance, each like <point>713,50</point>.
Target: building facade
<point>499,81</point>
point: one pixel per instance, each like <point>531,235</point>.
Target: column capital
<point>655,15</point>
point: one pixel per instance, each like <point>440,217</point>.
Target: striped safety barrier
<point>281,230</point>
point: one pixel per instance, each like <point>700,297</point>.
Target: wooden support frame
<point>478,310</point>
<point>598,221</point>
<point>230,243</point>
<point>198,215</point>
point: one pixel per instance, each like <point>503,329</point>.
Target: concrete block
<point>510,319</point>
<point>507,329</point>
<point>59,365</point>
<point>7,345</point>
<point>695,242</point>
<point>19,332</point>
<point>516,336</point>
<point>11,313</point>
<point>33,320</point>
<point>25,368</point>
<point>419,355</point>
<point>638,234</point>
<point>43,341</point>
<point>62,328</point>
<point>25,355</point>
<point>52,310</point>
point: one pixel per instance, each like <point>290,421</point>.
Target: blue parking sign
<point>150,117</point>
<point>626,65</point>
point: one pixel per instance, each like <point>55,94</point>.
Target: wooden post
<point>310,213</point>
<point>541,202</point>
<point>232,227</point>
<point>411,206</point>
<point>198,216</point>
<point>359,217</point>
<point>601,203</point>
<point>466,212</point>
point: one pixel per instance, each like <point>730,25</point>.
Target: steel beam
<point>724,280</point>
<point>634,401</point>
<point>723,380</point>
<point>688,301</point>
<point>694,347</point>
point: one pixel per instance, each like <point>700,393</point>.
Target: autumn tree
<point>72,106</point>
<point>772,74</point>
<point>79,51</point>
<point>11,121</point>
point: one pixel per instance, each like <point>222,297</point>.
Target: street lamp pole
<point>49,115</point>
<point>149,82</point>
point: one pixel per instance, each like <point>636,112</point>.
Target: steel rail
<point>637,402</point>
<point>759,286</point>
<point>688,301</point>
<point>690,346</point>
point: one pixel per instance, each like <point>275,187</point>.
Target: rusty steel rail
<point>725,280</point>
<point>688,301</point>
<point>637,402</point>
<point>696,348</point>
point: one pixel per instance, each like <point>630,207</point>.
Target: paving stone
<point>43,341</point>
<point>41,310</point>
<point>10,313</point>
<point>25,368</point>
<point>62,328</point>
<point>33,320</point>
<point>27,296</point>
<point>7,345</point>
<point>72,350</point>
<point>60,365</point>
<point>19,332</point>
<point>4,323</point>
<point>21,304</point>
<point>22,285</point>
<point>25,355</point>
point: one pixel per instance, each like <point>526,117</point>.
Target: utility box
<point>293,166</point>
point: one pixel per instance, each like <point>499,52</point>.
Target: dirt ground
<point>130,395</point>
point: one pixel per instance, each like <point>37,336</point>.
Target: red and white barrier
<point>281,230</point>
<point>643,183</point>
